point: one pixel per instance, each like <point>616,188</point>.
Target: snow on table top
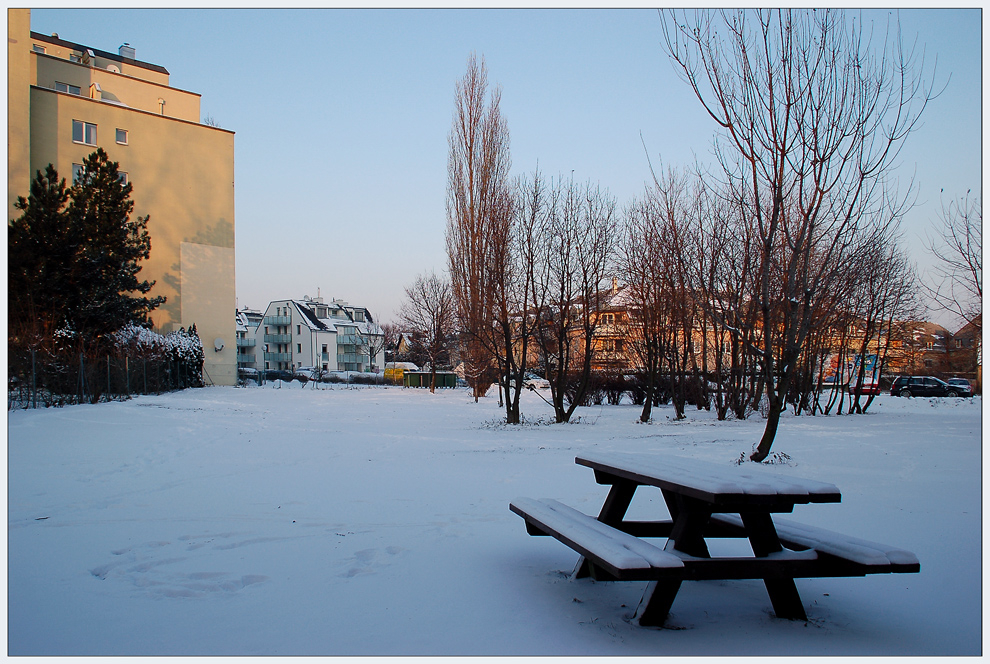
<point>709,477</point>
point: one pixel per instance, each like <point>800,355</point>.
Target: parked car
<point>962,385</point>
<point>922,386</point>
<point>531,380</point>
<point>866,389</point>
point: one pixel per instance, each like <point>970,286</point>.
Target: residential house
<point>247,323</point>
<point>332,336</point>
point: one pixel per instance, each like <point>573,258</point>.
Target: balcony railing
<point>245,359</point>
<point>352,340</point>
<point>278,357</point>
<point>278,320</point>
<point>278,338</point>
<point>353,358</point>
<point>246,343</point>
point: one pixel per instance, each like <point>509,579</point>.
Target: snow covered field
<point>375,521</point>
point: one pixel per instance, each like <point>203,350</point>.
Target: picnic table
<point>706,500</point>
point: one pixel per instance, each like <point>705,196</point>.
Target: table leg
<point>619,497</point>
<point>782,591</point>
<point>616,503</point>
<point>656,603</point>
<point>690,521</point>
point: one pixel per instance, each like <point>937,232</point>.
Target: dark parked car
<point>922,386</point>
<point>962,385</point>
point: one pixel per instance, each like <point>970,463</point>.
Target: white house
<point>247,323</point>
<point>310,333</point>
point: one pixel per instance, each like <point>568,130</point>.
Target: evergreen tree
<point>74,254</point>
<point>38,247</point>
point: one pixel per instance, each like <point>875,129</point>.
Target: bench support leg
<point>785,599</point>
<point>656,602</point>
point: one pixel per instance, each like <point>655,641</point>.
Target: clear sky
<point>341,121</point>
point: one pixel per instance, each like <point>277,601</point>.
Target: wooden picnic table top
<point>720,486</point>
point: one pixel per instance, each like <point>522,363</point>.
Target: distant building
<point>247,325</point>
<point>65,100</point>
<point>333,336</point>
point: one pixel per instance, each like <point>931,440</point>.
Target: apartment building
<point>334,336</point>
<point>248,321</point>
<point>65,99</point>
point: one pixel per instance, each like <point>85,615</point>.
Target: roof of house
<point>53,39</point>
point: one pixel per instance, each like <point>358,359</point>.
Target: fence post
<point>82,378</point>
<point>109,391</point>
<point>34,383</point>
<point>127,374</point>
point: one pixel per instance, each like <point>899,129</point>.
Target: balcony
<point>278,357</point>
<point>278,320</point>
<point>278,338</point>
<point>246,343</point>
<point>353,358</point>
<point>245,359</point>
<point>352,340</point>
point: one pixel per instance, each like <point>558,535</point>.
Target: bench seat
<point>621,555</point>
<point>868,557</point>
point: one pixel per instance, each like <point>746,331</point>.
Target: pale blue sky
<point>341,121</point>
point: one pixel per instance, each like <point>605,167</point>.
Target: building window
<point>298,348</point>
<point>122,177</point>
<point>608,319</point>
<point>359,316</point>
<point>122,137</point>
<point>77,171</point>
<point>298,329</point>
<point>65,87</point>
<point>75,58</point>
<point>38,49</point>
<point>83,132</point>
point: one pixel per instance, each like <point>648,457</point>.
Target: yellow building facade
<point>65,100</point>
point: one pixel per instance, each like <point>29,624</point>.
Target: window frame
<point>85,126</point>
<point>117,136</point>
<point>68,88</point>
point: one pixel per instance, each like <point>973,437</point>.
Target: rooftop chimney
<point>126,51</point>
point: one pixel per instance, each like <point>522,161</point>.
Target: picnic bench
<point>705,501</point>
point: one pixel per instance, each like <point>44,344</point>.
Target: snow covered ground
<point>375,521</point>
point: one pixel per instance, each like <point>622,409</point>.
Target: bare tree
<point>428,313</point>
<point>390,339</point>
<point>477,194</point>
<point>515,300</point>
<point>955,283</point>
<point>378,341</point>
<point>642,267</point>
<point>578,244</point>
<point>812,119</point>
